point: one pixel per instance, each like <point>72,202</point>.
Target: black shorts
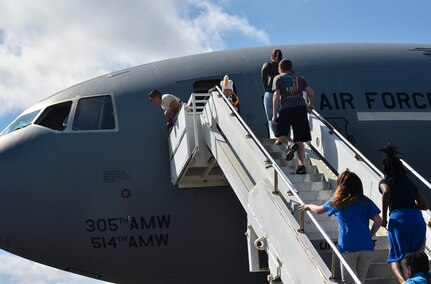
<point>297,117</point>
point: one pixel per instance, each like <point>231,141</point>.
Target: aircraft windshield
<point>21,122</point>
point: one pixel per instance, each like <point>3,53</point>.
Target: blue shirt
<point>353,222</point>
<point>419,278</point>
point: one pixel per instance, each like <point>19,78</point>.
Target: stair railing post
<point>301,222</point>
<point>275,182</point>
<point>333,263</point>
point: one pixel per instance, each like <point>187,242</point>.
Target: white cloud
<point>46,46</point>
<point>17,270</point>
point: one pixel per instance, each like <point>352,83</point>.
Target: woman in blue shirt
<point>406,228</point>
<point>353,211</point>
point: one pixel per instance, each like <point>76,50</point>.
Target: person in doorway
<point>228,91</point>
<point>170,104</point>
<point>268,73</point>
<point>353,211</point>
<point>417,264</point>
<point>288,97</point>
<point>406,227</point>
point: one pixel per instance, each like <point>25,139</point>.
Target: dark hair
<point>392,166</point>
<point>277,55</point>
<point>349,189</point>
<point>155,93</point>
<point>418,262</point>
<point>285,65</point>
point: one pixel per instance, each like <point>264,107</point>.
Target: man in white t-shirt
<point>169,103</point>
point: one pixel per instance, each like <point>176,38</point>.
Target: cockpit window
<point>21,122</point>
<point>96,113</point>
<point>55,116</point>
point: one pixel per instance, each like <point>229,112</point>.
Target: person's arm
<point>386,197</point>
<point>276,107</point>
<point>376,225</point>
<point>264,76</point>
<point>310,95</point>
<point>319,209</point>
<point>421,201</point>
<point>174,107</point>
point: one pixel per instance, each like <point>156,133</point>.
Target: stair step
<point>327,226</point>
<point>318,217</point>
<point>381,243</point>
<point>288,170</point>
<point>295,178</point>
<point>312,186</point>
<point>379,270</point>
<point>275,148</point>
<point>315,195</point>
<point>267,141</point>
<point>380,256</point>
<point>281,161</point>
<point>389,280</point>
<point>316,235</point>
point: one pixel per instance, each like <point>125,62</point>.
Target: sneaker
<point>301,170</point>
<point>291,151</point>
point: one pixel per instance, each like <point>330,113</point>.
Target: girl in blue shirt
<point>353,211</point>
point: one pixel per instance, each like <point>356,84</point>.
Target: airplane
<point>85,177</point>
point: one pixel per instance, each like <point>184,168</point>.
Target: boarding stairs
<point>211,145</point>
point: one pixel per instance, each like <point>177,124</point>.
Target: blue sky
<point>49,45</point>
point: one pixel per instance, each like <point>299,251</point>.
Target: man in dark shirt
<point>288,88</point>
<point>269,71</point>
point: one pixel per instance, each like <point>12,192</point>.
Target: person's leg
<point>268,104</point>
<point>301,133</point>
<point>352,260</point>
<point>363,264</point>
<point>397,270</point>
<point>301,152</point>
<point>282,127</point>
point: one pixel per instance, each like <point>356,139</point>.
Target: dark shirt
<point>269,71</point>
<point>403,193</point>
<point>291,87</point>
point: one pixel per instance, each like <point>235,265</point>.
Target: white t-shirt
<point>167,99</point>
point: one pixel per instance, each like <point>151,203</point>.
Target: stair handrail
<point>347,142</point>
<point>280,173</point>
<point>415,173</point>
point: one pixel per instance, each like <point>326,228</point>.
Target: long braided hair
<point>392,166</point>
<point>349,189</point>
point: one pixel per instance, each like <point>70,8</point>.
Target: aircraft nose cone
<point>22,185</point>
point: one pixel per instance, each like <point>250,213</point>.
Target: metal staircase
<point>210,145</point>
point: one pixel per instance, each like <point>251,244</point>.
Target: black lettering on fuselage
<point>324,102</point>
<point>347,98</point>
<point>388,100</point>
<point>403,98</point>
<point>415,100</point>
<point>334,95</point>
<point>375,100</point>
<point>148,241</point>
<point>150,223</point>
<point>370,99</point>
<point>343,100</point>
